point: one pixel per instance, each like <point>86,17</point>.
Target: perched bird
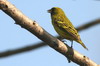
<point>63,26</point>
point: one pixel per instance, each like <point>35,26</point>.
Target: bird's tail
<point>82,44</point>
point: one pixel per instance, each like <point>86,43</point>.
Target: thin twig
<point>88,25</point>
<point>22,49</point>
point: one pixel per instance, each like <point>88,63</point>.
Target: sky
<point>12,36</point>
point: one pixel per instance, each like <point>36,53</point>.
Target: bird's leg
<point>71,44</point>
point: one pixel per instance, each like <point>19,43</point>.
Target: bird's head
<point>56,10</point>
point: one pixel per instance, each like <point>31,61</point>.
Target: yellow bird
<point>63,26</point>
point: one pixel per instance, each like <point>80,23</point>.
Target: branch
<point>88,25</point>
<point>39,32</point>
<point>22,49</point>
<point>42,44</point>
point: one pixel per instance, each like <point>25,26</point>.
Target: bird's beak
<point>49,11</point>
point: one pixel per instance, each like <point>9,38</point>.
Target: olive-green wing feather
<point>69,28</point>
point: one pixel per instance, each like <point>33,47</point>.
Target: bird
<point>64,27</point>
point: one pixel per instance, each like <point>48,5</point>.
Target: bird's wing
<point>69,28</point>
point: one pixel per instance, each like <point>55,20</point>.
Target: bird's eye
<point>53,9</point>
